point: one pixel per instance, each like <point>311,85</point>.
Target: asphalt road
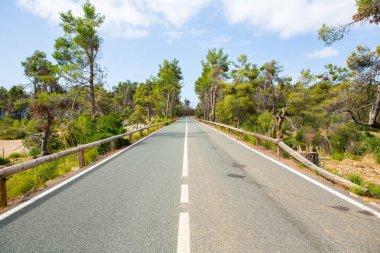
<point>220,197</point>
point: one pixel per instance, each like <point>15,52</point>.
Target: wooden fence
<point>281,147</point>
<point>8,171</point>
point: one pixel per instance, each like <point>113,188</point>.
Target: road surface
<point>189,188</point>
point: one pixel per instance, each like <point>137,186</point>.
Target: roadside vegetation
<point>66,104</point>
<point>334,113</point>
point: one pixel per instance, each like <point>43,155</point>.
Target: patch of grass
<point>45,172</point>
<point>14,155</point>
<point>269,145</point>
<point>20,183</point>
<point>357,191</point>
<point>34,152</point>
<point>90,155</point>
<point>356,179</point>
<point>338,156</point>
<point>374,190</point>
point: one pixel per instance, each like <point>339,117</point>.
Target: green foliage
<point>14,155</point>
<point>356,179</point>
<point>12,129</point>
<point>34,151</point>
<point>374,190</point>
<point>360,192</point>
<point>338,156</point>
<point>367,11</point>
<point>265,122</point>
<point>343,136</point>
<point>4,160</point>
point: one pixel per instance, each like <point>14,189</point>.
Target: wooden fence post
<point>258,142</point>
<point>113,145</point>
<point>81,162</point>
<point>280,152</point>
<point>3,191</point>
<point>130,138</point>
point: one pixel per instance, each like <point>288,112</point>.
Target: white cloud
<point>193,32</point>
<point>171,36</point>
<point>135,18</point>
<point>325,52</point>
<point>124,18</point>
<point>216,42</point>
<point>291,17</point>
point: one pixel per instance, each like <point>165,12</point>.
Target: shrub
<point>14,155</point>
<point>4,160</point>
<point>374,190</point>
<point>34,152</point>
<point>343,135</point>
<point>90,155</point>
<point>265,122</point>
<point>45,172</point>
<point>338,156</point>
<point>356,179</point>
<point>359,192</point>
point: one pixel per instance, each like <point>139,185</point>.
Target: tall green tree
<point>363,95</point>
<point>47,94</point>
<point>202,89</point>
<point>218,65</point>
<point>170,83</point>
<point>78,51</point>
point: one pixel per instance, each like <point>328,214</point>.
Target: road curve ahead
<point>185,189</point>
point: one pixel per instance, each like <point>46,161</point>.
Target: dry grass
<point>366,167</point>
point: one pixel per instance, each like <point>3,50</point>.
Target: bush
<point>356,179</point>
<point>374,190</point>
<point>343,136</point>
<point>34,152</point>
<point>11,129</point>
<point>14,155</point>
<point>338,156</point>
<point>4,160</point>
<point>265,122</point>
<point>45,172</point>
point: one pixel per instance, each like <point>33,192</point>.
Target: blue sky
<point>139,35</point>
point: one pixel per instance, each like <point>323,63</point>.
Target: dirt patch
<point>366,167</point>
<point>11,146</point>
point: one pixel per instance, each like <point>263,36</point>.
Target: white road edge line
<point>56,187</point>
<point>183,245</point>
<point>184,194</point>
<point>332,191</point>
<point>185,167</point>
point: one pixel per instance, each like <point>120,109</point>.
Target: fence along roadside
<point>8,171</point>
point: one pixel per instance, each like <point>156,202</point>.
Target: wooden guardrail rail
<point>281,146</point>
<point>7,171</point>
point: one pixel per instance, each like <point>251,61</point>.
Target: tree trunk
<point>92,89</point>
<point>375,111</point>
<point>280,120</point>
<point>167,105</point>
<point>213,102</point>
<point>149,113</point>
<point>173,105</point>
<point>45,137</point>
<point>311,156</point>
